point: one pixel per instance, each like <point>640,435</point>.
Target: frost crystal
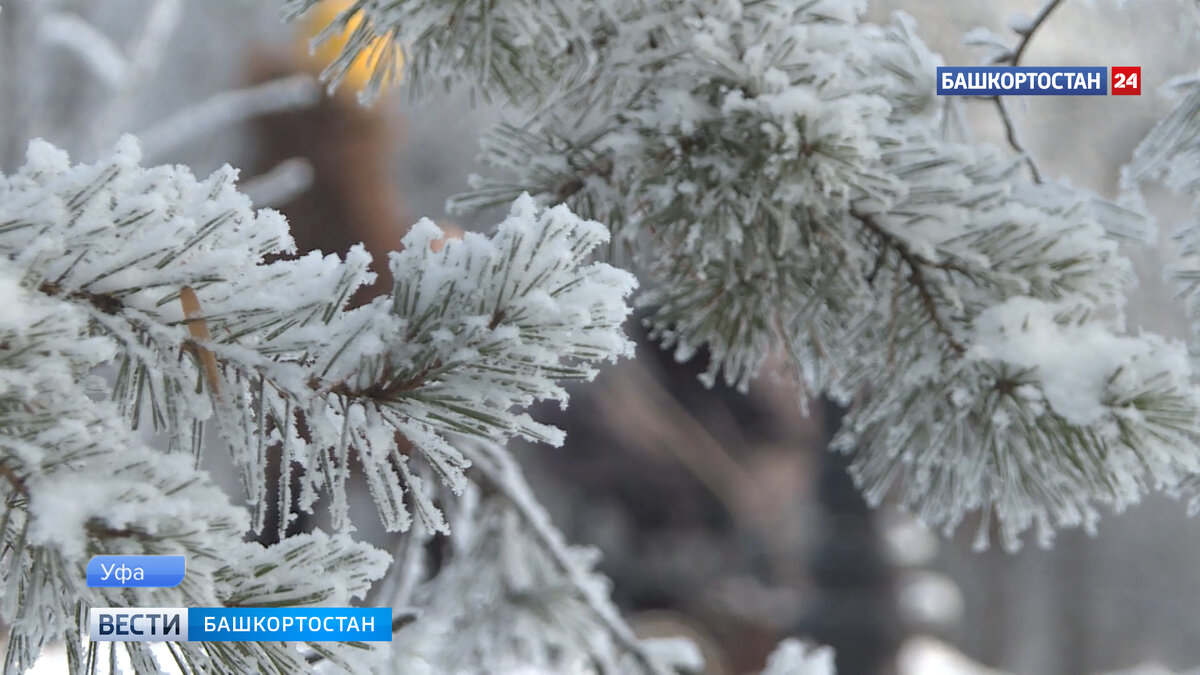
<point>209,319</point>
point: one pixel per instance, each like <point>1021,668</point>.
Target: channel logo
<point>240,624</point>
<point>1038,81</point>
<point>138,624</point>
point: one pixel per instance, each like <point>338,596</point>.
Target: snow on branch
<point>55,441</point>
<point>472,335</point>
<point>128,246</point>
<point>125,498</point>
<point>792,657</point>
<point>166,265</point>
<point>515,595</point>
<point>780,174</point>
<point>508,48</point>
<point>1045,418</point>
<point>1171,151</point>
<point>1170,154</point>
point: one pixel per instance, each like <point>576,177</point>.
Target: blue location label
<point>135,571</point>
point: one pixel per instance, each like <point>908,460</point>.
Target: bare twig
<point>93,48</point>
<point>669,425</point>
<point>1027,35</point>
<point>1014,59</point>
<point>229,107</point>
<point>285,181</point>
<point>1010,131</point>
<point>146,52</point>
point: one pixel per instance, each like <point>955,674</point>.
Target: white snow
<point>1073,363</point>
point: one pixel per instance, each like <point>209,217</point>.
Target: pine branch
<point>436,360</point>
<point>739,180</point>
<point>510,50</point>
<point>916,274</point>
<point>505,479</point>
<point>779,173</point>
<point>535,596</point>
<point>127,499</point>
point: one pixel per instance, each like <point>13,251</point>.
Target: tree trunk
<point>854,609</point>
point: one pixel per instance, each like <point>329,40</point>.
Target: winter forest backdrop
<point>705,505</point>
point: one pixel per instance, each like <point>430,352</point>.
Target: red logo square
<point>1126,81</point>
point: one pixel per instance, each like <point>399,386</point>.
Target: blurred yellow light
<point>360,70</point>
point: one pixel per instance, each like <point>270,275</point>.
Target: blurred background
<point>718,515</point>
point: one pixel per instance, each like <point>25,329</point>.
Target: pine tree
<point>779,175</point>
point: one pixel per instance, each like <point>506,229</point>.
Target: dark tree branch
<point>1010,132</point>
<point>1014,59</point>
<point>916,267</point>
<point>1027,35</point>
